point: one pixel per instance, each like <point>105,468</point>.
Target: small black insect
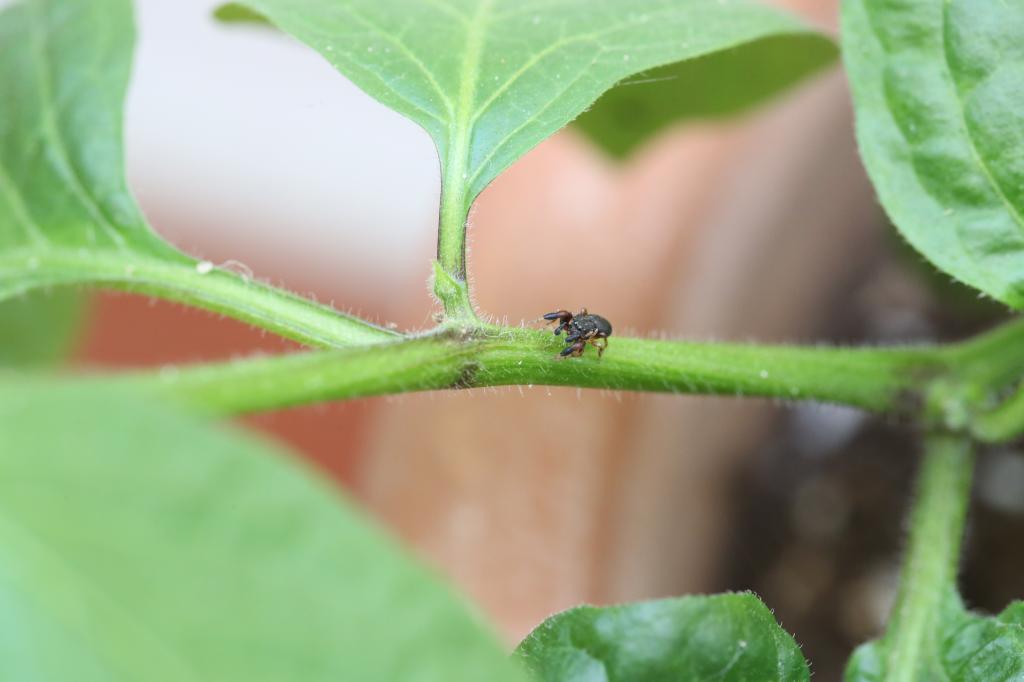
<point>581,329</point>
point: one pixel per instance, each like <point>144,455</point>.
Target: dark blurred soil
<point>821,509</point>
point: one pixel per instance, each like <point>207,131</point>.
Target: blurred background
<point>245,149</point>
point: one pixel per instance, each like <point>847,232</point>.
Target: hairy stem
<point>883,380</point>
<point>204,286</point>
<point>984,391</point>
<point>451,232</point>
<point>994,360</point>
<point>933,554</point>
<point>453,293</point>
<point>456,200</point>
<point>450,285</point>
<point>1006,422</point>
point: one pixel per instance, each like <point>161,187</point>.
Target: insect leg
<point>575,350</point>
<point>563,317</point>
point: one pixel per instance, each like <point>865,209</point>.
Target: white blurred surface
<point>244,144</point>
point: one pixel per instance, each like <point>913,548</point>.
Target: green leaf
<point>39,330</point>
<point>723,637</point>
<point>489,79</point>
<point>938,89</point>
<point>719,84</point>
<point>66,215</point>
<point>960,647</point>
<point>140,544</point>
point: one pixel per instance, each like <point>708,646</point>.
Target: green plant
<point>201,577</point>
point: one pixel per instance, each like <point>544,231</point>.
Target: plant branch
<point>203,286</point>
<point>451,232</point>
<point>882,380</point>
<point>993,360</point>
<point>1004,423</point>
<point>933,554</point>
<point>450,285</point>
<point>453,293</point>
<point>983,394</point>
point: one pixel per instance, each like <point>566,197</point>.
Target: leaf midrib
<point>461,128</point>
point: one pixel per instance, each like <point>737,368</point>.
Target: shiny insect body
<point>581,329</point>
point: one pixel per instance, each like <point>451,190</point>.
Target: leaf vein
<point>32,230</point>
<point>408,54</point>
<point>515,131</point>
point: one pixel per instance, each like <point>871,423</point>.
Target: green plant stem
<point>453,293</point>
<point>883,380</point>
<point>451,233</point>
<point>204,286</point>
<point>933,553</point>
<point>1004,423</point>
<point>455,182</point>
<point>993,360</point>
<point>450,286</point>
<point>974,396</point>
<point>450,281</point>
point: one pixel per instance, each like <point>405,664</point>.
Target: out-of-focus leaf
<point>938,89</point>
<point>726,637</point>
<point>140,544</point>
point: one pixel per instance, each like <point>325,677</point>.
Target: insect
<point>581,329</point>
